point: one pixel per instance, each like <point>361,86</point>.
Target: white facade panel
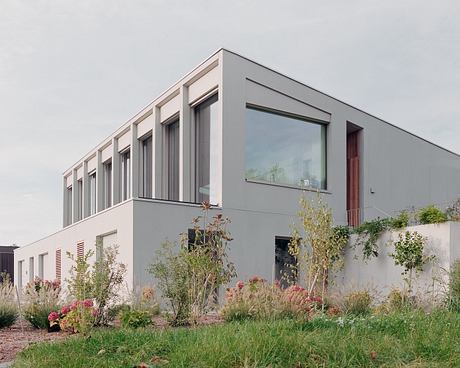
<point>145,126</point>
<point>170,108</point>
<point>92,163</point>
<point>202,86</point>
<point>124,141</point>
<point>106,153</point>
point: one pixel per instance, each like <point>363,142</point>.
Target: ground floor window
<point>285,263</point>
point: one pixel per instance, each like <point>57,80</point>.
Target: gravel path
<point>14,339</point>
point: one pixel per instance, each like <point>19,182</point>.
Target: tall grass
<point>413,339</point>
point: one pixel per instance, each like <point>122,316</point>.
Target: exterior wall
<point>118,218</point>
<point>398,169</point>
<point>381,274</point>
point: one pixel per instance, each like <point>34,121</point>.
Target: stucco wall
<point>118,218</point>
<point>381,274</point>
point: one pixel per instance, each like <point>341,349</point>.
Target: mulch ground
<point>17,338</point>
<point>14,339</point>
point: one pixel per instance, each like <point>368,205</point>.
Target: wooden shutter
<point>80,249</point>
<point>58,264</point>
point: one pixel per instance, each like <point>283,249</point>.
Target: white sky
<point>71,72</point>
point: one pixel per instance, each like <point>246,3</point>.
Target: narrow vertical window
<point>41,265</point>
<point>206,145</point>
<point>79,204</point>
<point>107,188</point>
<point>146,168</point>
<point>172,142</point>
<point>31,269</point>
<point>92,193</point>
<point>69,209</point>
<point>20,264</point>
<point>125,175</point>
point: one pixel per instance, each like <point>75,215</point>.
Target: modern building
<point>250,141</point>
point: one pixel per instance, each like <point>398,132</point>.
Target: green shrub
<point>358,303</point>
<point>401,221</point>
<point>41,298</point>
<point>8,307</point>
<point>258,300</point>
<point>133,318</point>
<point>453,300</point>
<point>431,215</point>
<point>368,234</point>
<point>100,281</point>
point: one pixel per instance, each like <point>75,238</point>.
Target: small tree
<point>190,273</point>
<point>101,281</point>
<point>409,253</point>
<point>316,244</point>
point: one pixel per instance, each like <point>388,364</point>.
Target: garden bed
<point>413,339</point>
<point>14,339</point>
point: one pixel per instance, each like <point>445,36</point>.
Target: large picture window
<point>285,150</point>
<point>92,193</point>
<point>107,184</point>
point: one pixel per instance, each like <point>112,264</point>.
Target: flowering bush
<point>257,299</point>
<point>78,317</point>
<point>41,297</point>
<point>8,308</point>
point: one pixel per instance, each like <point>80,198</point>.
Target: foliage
<point>41,297</point>
<point>102,281</point>
<point>368,234</point>
<point>171,273</point>
<point>397,340</point>
<point>316,244</point>
<point>78,317</point>
<point>134,318</point>
<point>453,300</point>
<point>453,211</point>
<point>190,276</point>
<point>142,308</point>
<point>400,222</point>
<point>8,307</point>
<point>259,300</point>
<point>409,254</point>
<point>431,215</point>
<point>358,303</point>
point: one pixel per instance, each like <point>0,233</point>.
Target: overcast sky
<point>71,72</point>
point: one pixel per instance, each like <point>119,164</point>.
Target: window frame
<point>107,184</point>
<point>305,119</point>
<point>146,170</point>
<point>166,127</point>
<point>92,192</point>
<point>125,174</point>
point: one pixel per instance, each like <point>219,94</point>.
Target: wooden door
<point>353,179</point>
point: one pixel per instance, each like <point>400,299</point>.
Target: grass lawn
<point>414,340</point>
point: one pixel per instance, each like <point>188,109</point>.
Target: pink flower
<point>240,285</point>
<point>88,303</point>
<point>74,305</point>
<point>65,309</point>
<point>54,316</point>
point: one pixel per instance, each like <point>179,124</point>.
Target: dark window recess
<point>7,261</point>
<point>285,263</point>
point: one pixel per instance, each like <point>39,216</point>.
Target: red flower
<point>53,316</point>
<point>88,303</point>
<point>240,285</point>
<point>65,309</point>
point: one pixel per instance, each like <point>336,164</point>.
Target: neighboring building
<point>7,261</point>
<point>249,140</point>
